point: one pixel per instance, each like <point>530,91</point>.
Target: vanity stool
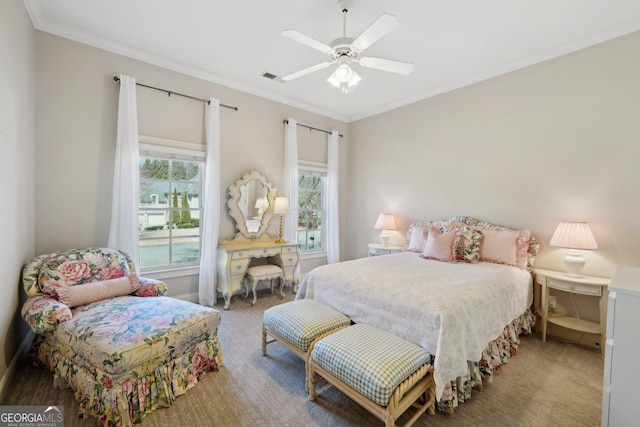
<point>263,272</point>
<point>299,324</point>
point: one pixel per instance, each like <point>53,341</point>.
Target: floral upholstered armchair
<point>122,354</point>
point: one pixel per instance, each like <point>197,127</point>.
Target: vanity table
<point>252,243</point>
<point>235,256</point>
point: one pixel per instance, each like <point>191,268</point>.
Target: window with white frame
<point>170,208</point>
<point>311,202</point>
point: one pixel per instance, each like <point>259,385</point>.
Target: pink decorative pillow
<point>96,291</point>
<point>441,246</point>
<point>499,246</point>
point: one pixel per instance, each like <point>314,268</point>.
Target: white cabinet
<point>620,406</point>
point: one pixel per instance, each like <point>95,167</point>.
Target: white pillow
<point>417,241</point>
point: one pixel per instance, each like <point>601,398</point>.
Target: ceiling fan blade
<point>380,28</point>
<point>306,71</point>
<point>306,40</point>
<point>398,67</point>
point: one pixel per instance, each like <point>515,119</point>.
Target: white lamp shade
<point>385,222</point>
<point>573,235</point>
<point>259,203</point>
<point>281,206</point>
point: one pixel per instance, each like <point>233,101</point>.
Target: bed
<point>462,290</point>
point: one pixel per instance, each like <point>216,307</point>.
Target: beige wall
<point>553,142</point>
<point>17,142</point>
<point>76,128</point>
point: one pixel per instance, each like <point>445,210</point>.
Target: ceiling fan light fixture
<point>344,78</point>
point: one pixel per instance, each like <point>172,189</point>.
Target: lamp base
<point>574,262</point>
<point>384,238</point>
<point>280,241</point>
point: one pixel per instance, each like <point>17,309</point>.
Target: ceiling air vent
<point>269,76</point>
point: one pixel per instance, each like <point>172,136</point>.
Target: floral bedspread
<point>453,310</point>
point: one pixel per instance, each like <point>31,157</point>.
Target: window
<point>311,190</point>
<point>169,212</point>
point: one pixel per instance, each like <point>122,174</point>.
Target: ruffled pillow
<point>440,245</point>
<point>77,295</point>
<point>499,246</point>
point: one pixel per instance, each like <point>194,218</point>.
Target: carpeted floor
<point>546,384</point>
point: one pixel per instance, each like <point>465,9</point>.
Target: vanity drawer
<point>264,252</point>
<point>240,254</point>
<point>576,288</point>
<point>289,249</point>
<point>238,266</point>
<point>289,260</point>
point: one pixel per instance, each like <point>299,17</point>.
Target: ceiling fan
<point>344,51</point>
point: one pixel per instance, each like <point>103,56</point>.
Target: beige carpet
<point>546,384</point>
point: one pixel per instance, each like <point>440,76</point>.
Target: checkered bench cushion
<point>301,321</point>
<point>368,359</point>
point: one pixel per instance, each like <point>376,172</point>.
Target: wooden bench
<point>382,372</point>
<point>299,324</point>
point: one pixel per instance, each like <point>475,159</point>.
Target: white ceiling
<point>453,43</point>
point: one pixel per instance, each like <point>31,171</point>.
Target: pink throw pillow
<point>441,246</point>
<point>77,295</point>
<point>499,246</point>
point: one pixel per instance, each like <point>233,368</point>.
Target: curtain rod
<point>170,92</point>
<point>311,127</point>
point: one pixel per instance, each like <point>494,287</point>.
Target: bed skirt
<point>494,356</point>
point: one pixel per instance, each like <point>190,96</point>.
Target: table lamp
<point>385,222</point>
<point>260,206</point>
<point>574,236</point>
<point>281,207</point>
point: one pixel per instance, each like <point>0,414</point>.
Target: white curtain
<point>210,223</point>
<point>123,233</point>
<point>290,187</point>
<point>332,239</point>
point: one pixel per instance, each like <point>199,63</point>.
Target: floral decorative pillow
<point>469,248</point>
<point>441,245</point>
<point>78,269</point>
<point>44,314</point>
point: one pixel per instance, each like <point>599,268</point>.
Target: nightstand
<point>380,249</point>
<point>585,285</point>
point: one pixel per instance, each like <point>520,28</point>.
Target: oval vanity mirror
<point>250,204</point>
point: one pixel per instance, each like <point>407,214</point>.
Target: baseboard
<point>12,369</point>
<point>191,297</point>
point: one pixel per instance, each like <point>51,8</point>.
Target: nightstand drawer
<point>575,288</point>
<point>375,252</point>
